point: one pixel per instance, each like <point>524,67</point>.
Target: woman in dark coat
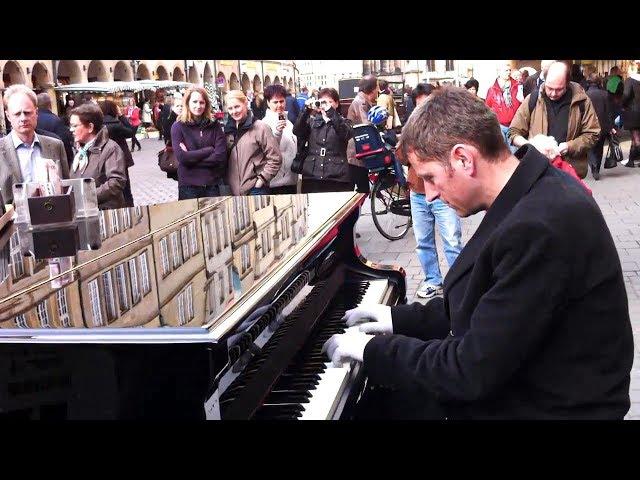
<point>119,130</point>
<point>631,113</point>
<point>325,168</point>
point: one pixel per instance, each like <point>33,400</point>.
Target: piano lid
<point>179,264</point>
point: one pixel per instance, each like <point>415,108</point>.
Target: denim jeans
<point>425,215</point>
<point>504,131</point>
<point>186,192</point>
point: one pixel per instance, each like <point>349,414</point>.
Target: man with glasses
<point>23,153</point>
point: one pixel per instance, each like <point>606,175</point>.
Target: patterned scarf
<point>81,159</point>
<point>506,93</point>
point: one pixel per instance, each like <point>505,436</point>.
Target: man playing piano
<point>534,323</point>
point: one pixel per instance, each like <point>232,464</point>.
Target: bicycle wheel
<point>389,201</point>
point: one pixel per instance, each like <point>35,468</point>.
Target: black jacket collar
<point>230,127</point>
<point>533,165</point>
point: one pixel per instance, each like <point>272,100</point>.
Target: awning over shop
<point>113,87</point>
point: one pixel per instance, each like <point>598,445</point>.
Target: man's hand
<point>183,147</point>
<point>614,131</point>
<point>259,183</point>
<point>345,347</point>
<point>371,319</point>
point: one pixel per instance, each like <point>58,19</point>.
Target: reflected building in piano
<point>176,264</point>
<point>120,289</point>
<point>42,308</point>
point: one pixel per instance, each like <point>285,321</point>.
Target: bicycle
<point>389,197</point>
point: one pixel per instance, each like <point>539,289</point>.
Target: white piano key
<point>375,292</point>
<point>327,394</point>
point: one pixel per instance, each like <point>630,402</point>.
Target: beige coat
<point>582,133</point>
<point>255,154</point>
<point>106,166</point>
<point>10,164</point>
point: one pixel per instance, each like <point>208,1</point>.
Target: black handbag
<point>614,152</point>
<point>167,161</point>
<point>298,161</point>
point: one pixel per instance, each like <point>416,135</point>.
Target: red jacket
<point>495,101</point>
<point>133,114</point>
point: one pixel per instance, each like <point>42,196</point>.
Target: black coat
<point>329,138</point>
<point>119,130</point>
<point>530,84</point>
<point>603,105</point>
<point>631,104</point>
<point>47,120</point>
<point>534,323</point>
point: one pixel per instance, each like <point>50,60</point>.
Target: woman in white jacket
<point>285,180</point>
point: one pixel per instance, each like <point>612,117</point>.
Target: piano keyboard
<point>312,388</point>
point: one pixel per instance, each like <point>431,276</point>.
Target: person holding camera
<point>285,180</point>
<point>254,154</point>
<point>325,167</point>
<point>199,145</point>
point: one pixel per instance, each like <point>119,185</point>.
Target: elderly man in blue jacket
<point>534,323</point>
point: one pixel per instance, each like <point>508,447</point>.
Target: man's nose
<point>430,192</point>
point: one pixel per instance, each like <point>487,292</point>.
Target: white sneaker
<point>429,291</point>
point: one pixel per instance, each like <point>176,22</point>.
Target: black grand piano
<point>215,308</point>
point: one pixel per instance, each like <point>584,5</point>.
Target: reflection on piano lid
<point>255,293</point>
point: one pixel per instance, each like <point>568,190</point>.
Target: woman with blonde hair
<point>199,145</point>
<point>254,154</point>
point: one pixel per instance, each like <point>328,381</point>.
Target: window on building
<point>20,321</point>
<point>181,314</point>
<point>95,303</point>
<point>175,250</point>
<point>63,310</point>
<point>43,314</point>
<point>17,263</point>
<point>246,261</point>
<point>121,282</point>
<point>138,212</point>
<point>217,232</point>
<point>449,66</point>
<point>109,295</point>
<point>133,277</point>
<point>230,276</point>
<point>225,228</point>
<point>211,297</point>
<point>256,202</point>
<point>194,237</point>
<point>4,264</point>
<point>431,66</point>
<point>237,208</point>
<point>126,218</point>
<point>245,211</point>
<point>184,237</point>
<point>164,254</point>
<point>222,289</point>
<point>103,225</point>
<point>188,292</point>
<point>144,273</point>
<point>115,222</point>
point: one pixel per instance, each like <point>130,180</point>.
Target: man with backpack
<point>560,109</point>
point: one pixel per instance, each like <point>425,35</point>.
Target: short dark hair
<point>108,107</point>
<point>383,84</point>
<point>368,84</point>
<point>89,113</point>
<point>422,89</point>
<point>472,82</point>
<point>274,90</point>
<point>452,115</point>
<point>44,101</point>
<point>329,92</point>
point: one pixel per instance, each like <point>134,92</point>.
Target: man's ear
<point>465,157</point>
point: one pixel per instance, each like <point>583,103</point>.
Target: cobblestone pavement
<point>617,192</point>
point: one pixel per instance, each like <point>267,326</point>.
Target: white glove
<point>373,318</point>
<point>548,146</point>
<point>345,347</point>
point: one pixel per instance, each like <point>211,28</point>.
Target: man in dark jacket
<point>603,105</point>
<point>537,79</point>
<point>534,323</point>
<point>49,121</point>
<point>291,105</point>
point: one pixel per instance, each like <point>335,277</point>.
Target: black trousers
<point>319,186</point>
<point>595,153</point>
<point>360,177</point>
<point>285,189</point>
<point>134,141</point>
<point>384,403</point>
